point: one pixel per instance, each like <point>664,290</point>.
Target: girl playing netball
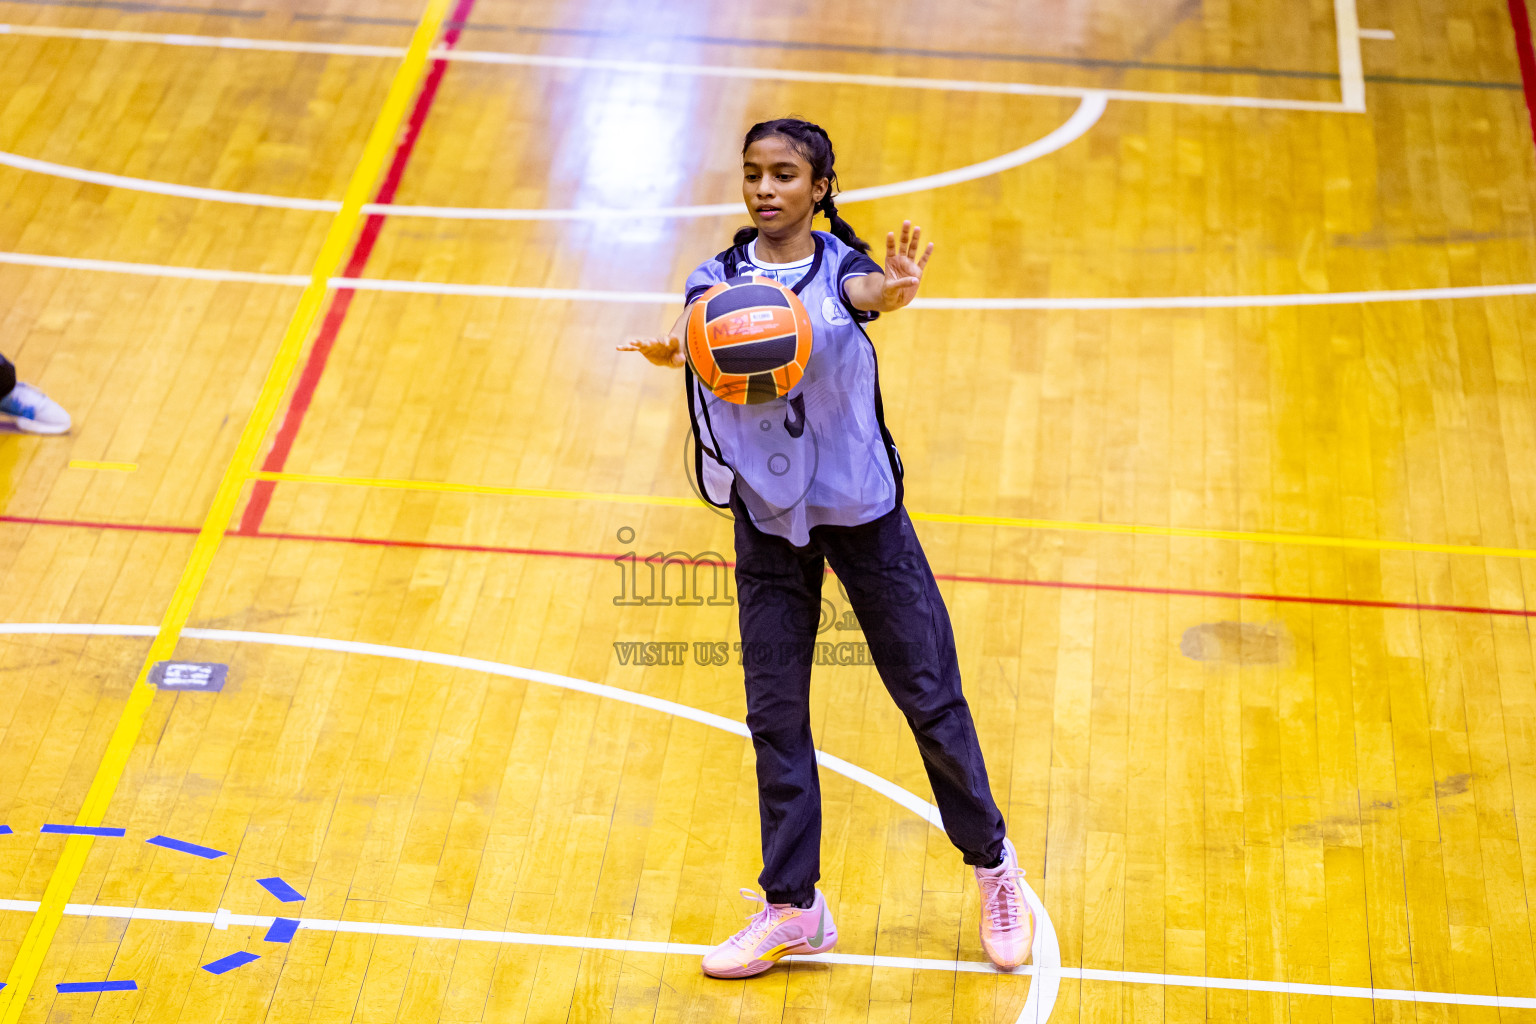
<point>815,479</point>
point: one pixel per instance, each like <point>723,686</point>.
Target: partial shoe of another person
<point>778,930</point>
<point>1007,923</point>
<point>35,412</point>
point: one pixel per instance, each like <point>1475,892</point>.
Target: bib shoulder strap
<point>730,260</point>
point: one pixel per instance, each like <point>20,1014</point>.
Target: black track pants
<point>893,593</point>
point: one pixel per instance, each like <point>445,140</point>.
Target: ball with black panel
<point>749,340</point>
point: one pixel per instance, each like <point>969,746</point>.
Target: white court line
<point>1085,117</point>
<point>1047,967</point>
<point>894,82</point>
<point>1075,127</point>
<point>214,42</point>
<point>1378,33</point>
<point>23,259</point>
<point>499,291</point>
<point>223,919</point>
<point>1351,67</point>
<point>165,188</point>
<point>1045,952</point>
<point>665,68</point>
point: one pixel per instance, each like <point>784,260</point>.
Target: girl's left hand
<point>903,266</point>
<point>666,351</point>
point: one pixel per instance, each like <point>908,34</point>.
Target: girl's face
<point>777,187</point>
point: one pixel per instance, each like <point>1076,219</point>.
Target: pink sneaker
<point>1007,923</point>
<point>778,930</point>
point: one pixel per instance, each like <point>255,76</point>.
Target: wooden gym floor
<point>1240,566</point>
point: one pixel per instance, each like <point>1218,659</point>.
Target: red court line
<point>89,524</point>
<point>1236,595</point>
<point>439,546</point>
<point>341,302</point>
<point>1109,588</point>
<point>1527,57</point>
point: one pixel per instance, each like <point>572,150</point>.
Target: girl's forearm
<point>867,293</point>
<point>678,329</point>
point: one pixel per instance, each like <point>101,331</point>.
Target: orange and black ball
<point>749,340</point>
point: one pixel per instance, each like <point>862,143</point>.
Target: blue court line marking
<point>225,964</point>
<point>84,830</point>
<point>279,888</point>
<point>206,852</point>
<point>98,986</point>
<point>5,830</point>
<point>282,930</point>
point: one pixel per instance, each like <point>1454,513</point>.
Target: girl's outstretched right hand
<point>661,351</point>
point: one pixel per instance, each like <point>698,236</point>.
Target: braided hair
<point>811,142</point>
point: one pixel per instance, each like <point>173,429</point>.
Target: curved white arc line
<point>497,291</point>
<point>917,805</point>
<point>1045,958</point>
<point>1075,127</point>
<point>24,259</point>
<point>164,188</point>
<point>1045,951</point>
<point>1085,117</point>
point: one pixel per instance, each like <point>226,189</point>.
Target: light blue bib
<point>822,456</point>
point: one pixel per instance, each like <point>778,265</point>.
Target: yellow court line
<point>1066,525</point>
<point>45,923</point>
<point>115,467</point>
<point>1309,540</point>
